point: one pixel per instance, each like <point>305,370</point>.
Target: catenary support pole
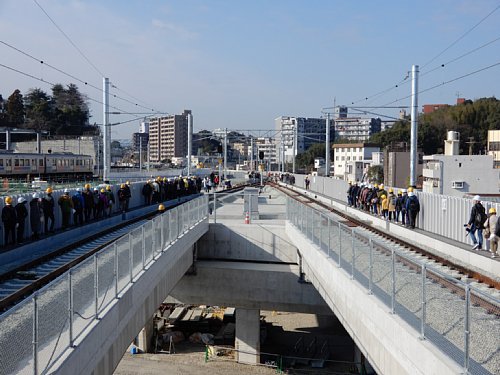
<point>106,129</point>
<point>327,145</point>
<point>414,125</point>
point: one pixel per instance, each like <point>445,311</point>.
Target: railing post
<point>215,207</point>
<point>370,281</point>
<point>162,232</point>
<point>70,308</point>
<point>393,281</point>
<point>96,291</point>
<point>115,249</point>
<point>353,234</point>
<point>130,257</point>
<point>312,225</point>
<point>35,334</point>
<point>467,329</point>
<point>340,244</point>
<point>143,245</point>
<point>424,304</point>
<point>329,236</point>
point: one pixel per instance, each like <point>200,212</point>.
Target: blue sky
<point>240,64</point>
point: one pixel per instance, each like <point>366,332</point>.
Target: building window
<point>343,158</point>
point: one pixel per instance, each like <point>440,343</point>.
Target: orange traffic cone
<point>247,218</point>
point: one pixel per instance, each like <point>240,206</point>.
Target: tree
<point>15,109</point>
<point>71,110</point>
<point>39,110</point>
<point>306,159</point>
<point>375,174</point>
<point>3,112</point>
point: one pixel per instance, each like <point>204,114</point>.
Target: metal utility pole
<point>251,153</point>
<point>295,136</point>
<point>471,144</point>
<point>140,153</point>
<point>327,146</point>
<point>190,142</point>
<point>225,153</point>
<point>106,129</point>
<point>414,125</point>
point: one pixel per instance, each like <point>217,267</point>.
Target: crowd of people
<point>85,205</point>
<point>400,206</point>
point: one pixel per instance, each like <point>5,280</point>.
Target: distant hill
<point>470,119</point>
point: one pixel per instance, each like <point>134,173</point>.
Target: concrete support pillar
<point>247,341</point>
<point>145,337</point>
<point>362,363</point>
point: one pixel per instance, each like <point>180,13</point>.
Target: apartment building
<point>345,154</point>
<point>168,136</point>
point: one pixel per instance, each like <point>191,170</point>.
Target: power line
<point>69,39</point>
<point>41,61</point>
<point>446,82</point>
<point>462,36</point>
<point>53,84</point>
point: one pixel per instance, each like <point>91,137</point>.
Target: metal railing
<point>36,332</point>
<point>462,320</point>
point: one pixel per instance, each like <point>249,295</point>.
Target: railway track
<point>414,255</point>
<point>22,281</point>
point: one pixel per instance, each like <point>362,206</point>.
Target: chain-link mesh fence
<point>463,321</point>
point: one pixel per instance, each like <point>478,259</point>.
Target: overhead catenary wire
<point>53,84</point>
<point>461,37</point>
<point>41,61</point>
<point>69,40</point>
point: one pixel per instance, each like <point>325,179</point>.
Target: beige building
<point>168,137</point>
<point>345,153</point>
<point>494,146</point>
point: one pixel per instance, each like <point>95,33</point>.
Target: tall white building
<point>345,154</point>
<point>305,131</point>
<point>356,128</point>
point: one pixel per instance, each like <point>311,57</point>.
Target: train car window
<point>54,162</point>
<point>19,163</point>
<point>40,162</point>
<point>33,162</point>
<point>8,162</point>
<point>72,162</point>
<point>1,162</point>
<point>66,163</point>
<point>27,162</point>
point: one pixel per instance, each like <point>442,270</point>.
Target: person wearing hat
<point>36,215</point>
<point>489,231</point>
<point>21,214</point>
<point>111,199</point>
<point>66,205</point>
<point>384,206</point>
<point>122,197</point>
<point>48,210</point>
<point>476,221</point>
<point>9,219</point>
<point>78,207</point>
<point>404,213</point>
<point>392,205</point>
<point>412,209</point>
<point>128,195</point>
<point>88,202</point>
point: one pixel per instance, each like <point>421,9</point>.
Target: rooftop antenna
<point>471,143</point>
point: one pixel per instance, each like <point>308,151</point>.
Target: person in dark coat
<point>36,215</point>
<point>9,219</point>
<point>66,205</point>
<point>88,202</point>
<point>122,198</point>
<point>78,206</point>
<point>476,222</point>
<point>413,208</point>
<point>48,210</point>
<point>21,215</point>
<point>128,195</point>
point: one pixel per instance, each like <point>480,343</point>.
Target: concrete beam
<point>100,350</point>
<point>388,342</point>
<point>250,286</point>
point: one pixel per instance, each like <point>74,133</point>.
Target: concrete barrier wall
<point>388,342</point>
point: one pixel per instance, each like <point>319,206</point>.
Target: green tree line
<point>472,119</point>
<point>65,111</point>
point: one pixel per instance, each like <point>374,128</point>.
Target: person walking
<point>21,214</point>
<point>307,182</point>
<point>476,221</point>
<point>399,206</point>
<point>128,195</point>
<point>384,206</point>
<point>88,202</point>
<point>122,198</point>
<point>494,239</point>
<point>36,216</point>
<point>111,200</point>
<point>78,207</point>
<point>48,211</point>
<point>9,219</point>
<point>412,208</point>
<point>66,205</point>
<point>392,205</point>
<point>489,229</point>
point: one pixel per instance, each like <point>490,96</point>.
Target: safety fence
<point>286,363</point>
<point>463,321</point>
<point>439,214</point>
<point>37,331</point>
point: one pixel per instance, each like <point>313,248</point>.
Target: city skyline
<point>240,65</point>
